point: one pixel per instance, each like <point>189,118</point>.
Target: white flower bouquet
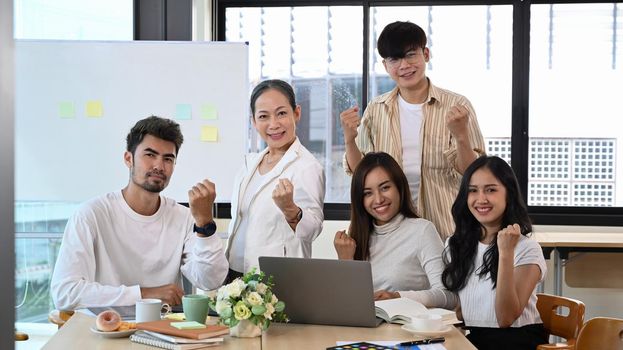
<point>248,298</point>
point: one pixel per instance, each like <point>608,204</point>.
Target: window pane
<point>575,52</point>
<point>38,229</point>
<point>471,54</point>
<point>74,19</point>
<point>323,65</point>
<point>34,260</point>
<point>39,225</point>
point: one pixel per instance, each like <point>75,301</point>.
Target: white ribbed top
<point>478,297</point>
<point>405,255</point>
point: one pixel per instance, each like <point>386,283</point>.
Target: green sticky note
<point>209,112</point>
<point>209,134</point>
<point>94,109</point>
<point>66,110</point>
<point>183,112</point>
<point>188,325</point>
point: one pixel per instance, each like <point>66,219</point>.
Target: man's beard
<point>149,186</point>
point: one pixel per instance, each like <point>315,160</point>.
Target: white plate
<point>121,334</point>
<point>444,330</point>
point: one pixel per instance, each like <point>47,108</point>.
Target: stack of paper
<point>166,327</point>
<point>174,335</point>
<point>174,343</point>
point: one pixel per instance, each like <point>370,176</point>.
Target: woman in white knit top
<point>491,263</point>
<point>404,250</point>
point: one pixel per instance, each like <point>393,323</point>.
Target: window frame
<point>520,138</point>
<point>7,157</point>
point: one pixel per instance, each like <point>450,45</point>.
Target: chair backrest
<point>601,333</point>
<point>557,324</point>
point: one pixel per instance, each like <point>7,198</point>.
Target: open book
<point>400,310</point>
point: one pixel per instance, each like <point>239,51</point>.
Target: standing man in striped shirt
<point>433,133</point>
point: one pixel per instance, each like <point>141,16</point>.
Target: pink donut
<point>108,321</point>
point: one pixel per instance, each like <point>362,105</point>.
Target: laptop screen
<point>323,291</point>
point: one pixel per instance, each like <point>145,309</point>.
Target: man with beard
<point>136,244</point>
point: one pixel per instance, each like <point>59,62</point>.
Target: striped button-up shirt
<point>380,132</point>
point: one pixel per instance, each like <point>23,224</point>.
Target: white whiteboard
<point>65,156</point>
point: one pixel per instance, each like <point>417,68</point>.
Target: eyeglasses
<point>411,57</point>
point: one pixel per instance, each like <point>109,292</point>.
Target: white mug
<point>150,310</point>
<point>427,322</point>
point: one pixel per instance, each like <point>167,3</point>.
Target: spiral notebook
<point>148,339</point>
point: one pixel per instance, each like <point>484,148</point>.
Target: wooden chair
<point>601,333</point>
<point>556,324</point>
<point>59,317</point>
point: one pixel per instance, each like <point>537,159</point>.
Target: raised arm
<point>204,262</point>
<point>283,196</point>
<point>308,185</point>
<point>468,141</point>
<point>350,121</point>
<point>515,284</point>
<point>344,246</point>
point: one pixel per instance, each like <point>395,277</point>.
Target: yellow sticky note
<point>175,317</point>
<point>94,109</point>
<point>209,112</point>
<point>209,134</point>
<point>188,325</point>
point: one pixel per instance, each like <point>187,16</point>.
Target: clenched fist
<point>344,246</point>
<point>456,120</point>
<point>200,199</point>
<point>283,196</point>
<point>350,122</point>
<point>507,239</point>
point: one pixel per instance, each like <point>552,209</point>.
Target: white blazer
<point>271,235</point>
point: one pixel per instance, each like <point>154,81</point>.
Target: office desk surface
<point>579,240</point>
<point>565,242</point>
<point>300,336</point>
<point>75,334</point>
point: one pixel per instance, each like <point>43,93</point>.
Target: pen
<point>423,341</point>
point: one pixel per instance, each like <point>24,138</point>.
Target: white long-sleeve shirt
<point>405,255</point>
<point>268,232</point>
<point>109,252</point>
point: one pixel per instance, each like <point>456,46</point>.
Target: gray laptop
<point>323,291</point>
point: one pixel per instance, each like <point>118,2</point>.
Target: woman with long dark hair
<point>403,249</point>
<point>490,261</point>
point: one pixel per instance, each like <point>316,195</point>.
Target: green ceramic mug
<point>195,307</point>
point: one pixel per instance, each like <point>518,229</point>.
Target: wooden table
<point>75,334</point>
<point>302,336</point>
<point>563,243</point>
